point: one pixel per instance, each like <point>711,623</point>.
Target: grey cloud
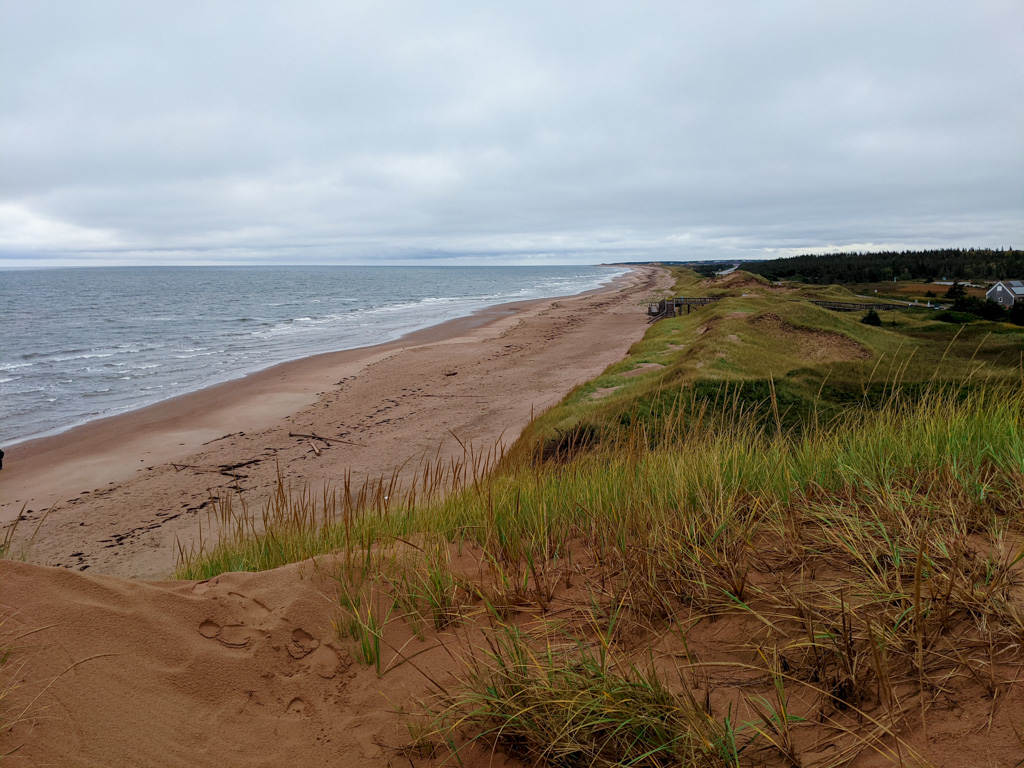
<point>321,131</point>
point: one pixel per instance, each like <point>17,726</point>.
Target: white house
<point>1006,292</point>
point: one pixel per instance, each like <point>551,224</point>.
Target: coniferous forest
<point>946,263</point>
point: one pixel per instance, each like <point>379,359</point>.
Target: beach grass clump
<point>363,621</point>
<point>6,655</point>
<point>570,705</point>
<point>12,663</point>
<point>8,539</point>
<point>295,524</point>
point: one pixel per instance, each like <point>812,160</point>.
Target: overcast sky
<point>517,132</point>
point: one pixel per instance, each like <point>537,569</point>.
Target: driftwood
<point>224,437</point>
<point>313,446</point>
<point>222,469</point>
<point>326,439</point>
<point>229,467</point>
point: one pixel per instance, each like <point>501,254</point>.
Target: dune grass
<point>6,544</point>
<point>6,655</point>
<point>571,706</point>
<point>8,550</point>
<point>874,558</point>
<point>11,665</point>
<point>861,554</point>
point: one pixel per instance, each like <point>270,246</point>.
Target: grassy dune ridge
<point>771,534</point>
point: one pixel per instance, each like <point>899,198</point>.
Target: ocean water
<point>81,344</point>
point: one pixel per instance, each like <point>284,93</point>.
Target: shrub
<point>566,444</point>
<point>956,291</point>
<point>986,309</point>
<point>950,316</point>
<point>871,318</point>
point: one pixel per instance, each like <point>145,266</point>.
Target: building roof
<point>1016,287</point>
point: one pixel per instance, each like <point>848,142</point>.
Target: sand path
<point>125,490</point>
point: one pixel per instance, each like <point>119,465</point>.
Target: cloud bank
<point>534,132</point>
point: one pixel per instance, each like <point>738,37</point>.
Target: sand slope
<point>245,669</point>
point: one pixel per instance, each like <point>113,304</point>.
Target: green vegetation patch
<point>817,361</point>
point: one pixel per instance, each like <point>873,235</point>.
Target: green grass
<point>363,622</point>
<point>570,706</point>
<point>909,290</point>
<point>742,348</point>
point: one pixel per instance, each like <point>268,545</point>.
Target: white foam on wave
<point>191,353</point>
<point>86,356</point>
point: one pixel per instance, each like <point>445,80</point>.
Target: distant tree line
<point>703,268</point>
<point>926,266</point>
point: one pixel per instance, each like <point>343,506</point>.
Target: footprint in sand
<point>296,707</point>
<point>322,660</point>
<point>302,644</point>
<point>248,604</point>
<point>326,662</point>
<point>235,636</point>
<point>230,635</point>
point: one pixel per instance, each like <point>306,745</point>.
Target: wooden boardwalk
<point>674,307</point>
<point>844,306</point>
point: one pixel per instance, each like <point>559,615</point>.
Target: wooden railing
<point>843,306</point>
<point>673,307</point>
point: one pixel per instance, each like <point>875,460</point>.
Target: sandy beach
<point>248,668</point>
<point>122,491</point>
